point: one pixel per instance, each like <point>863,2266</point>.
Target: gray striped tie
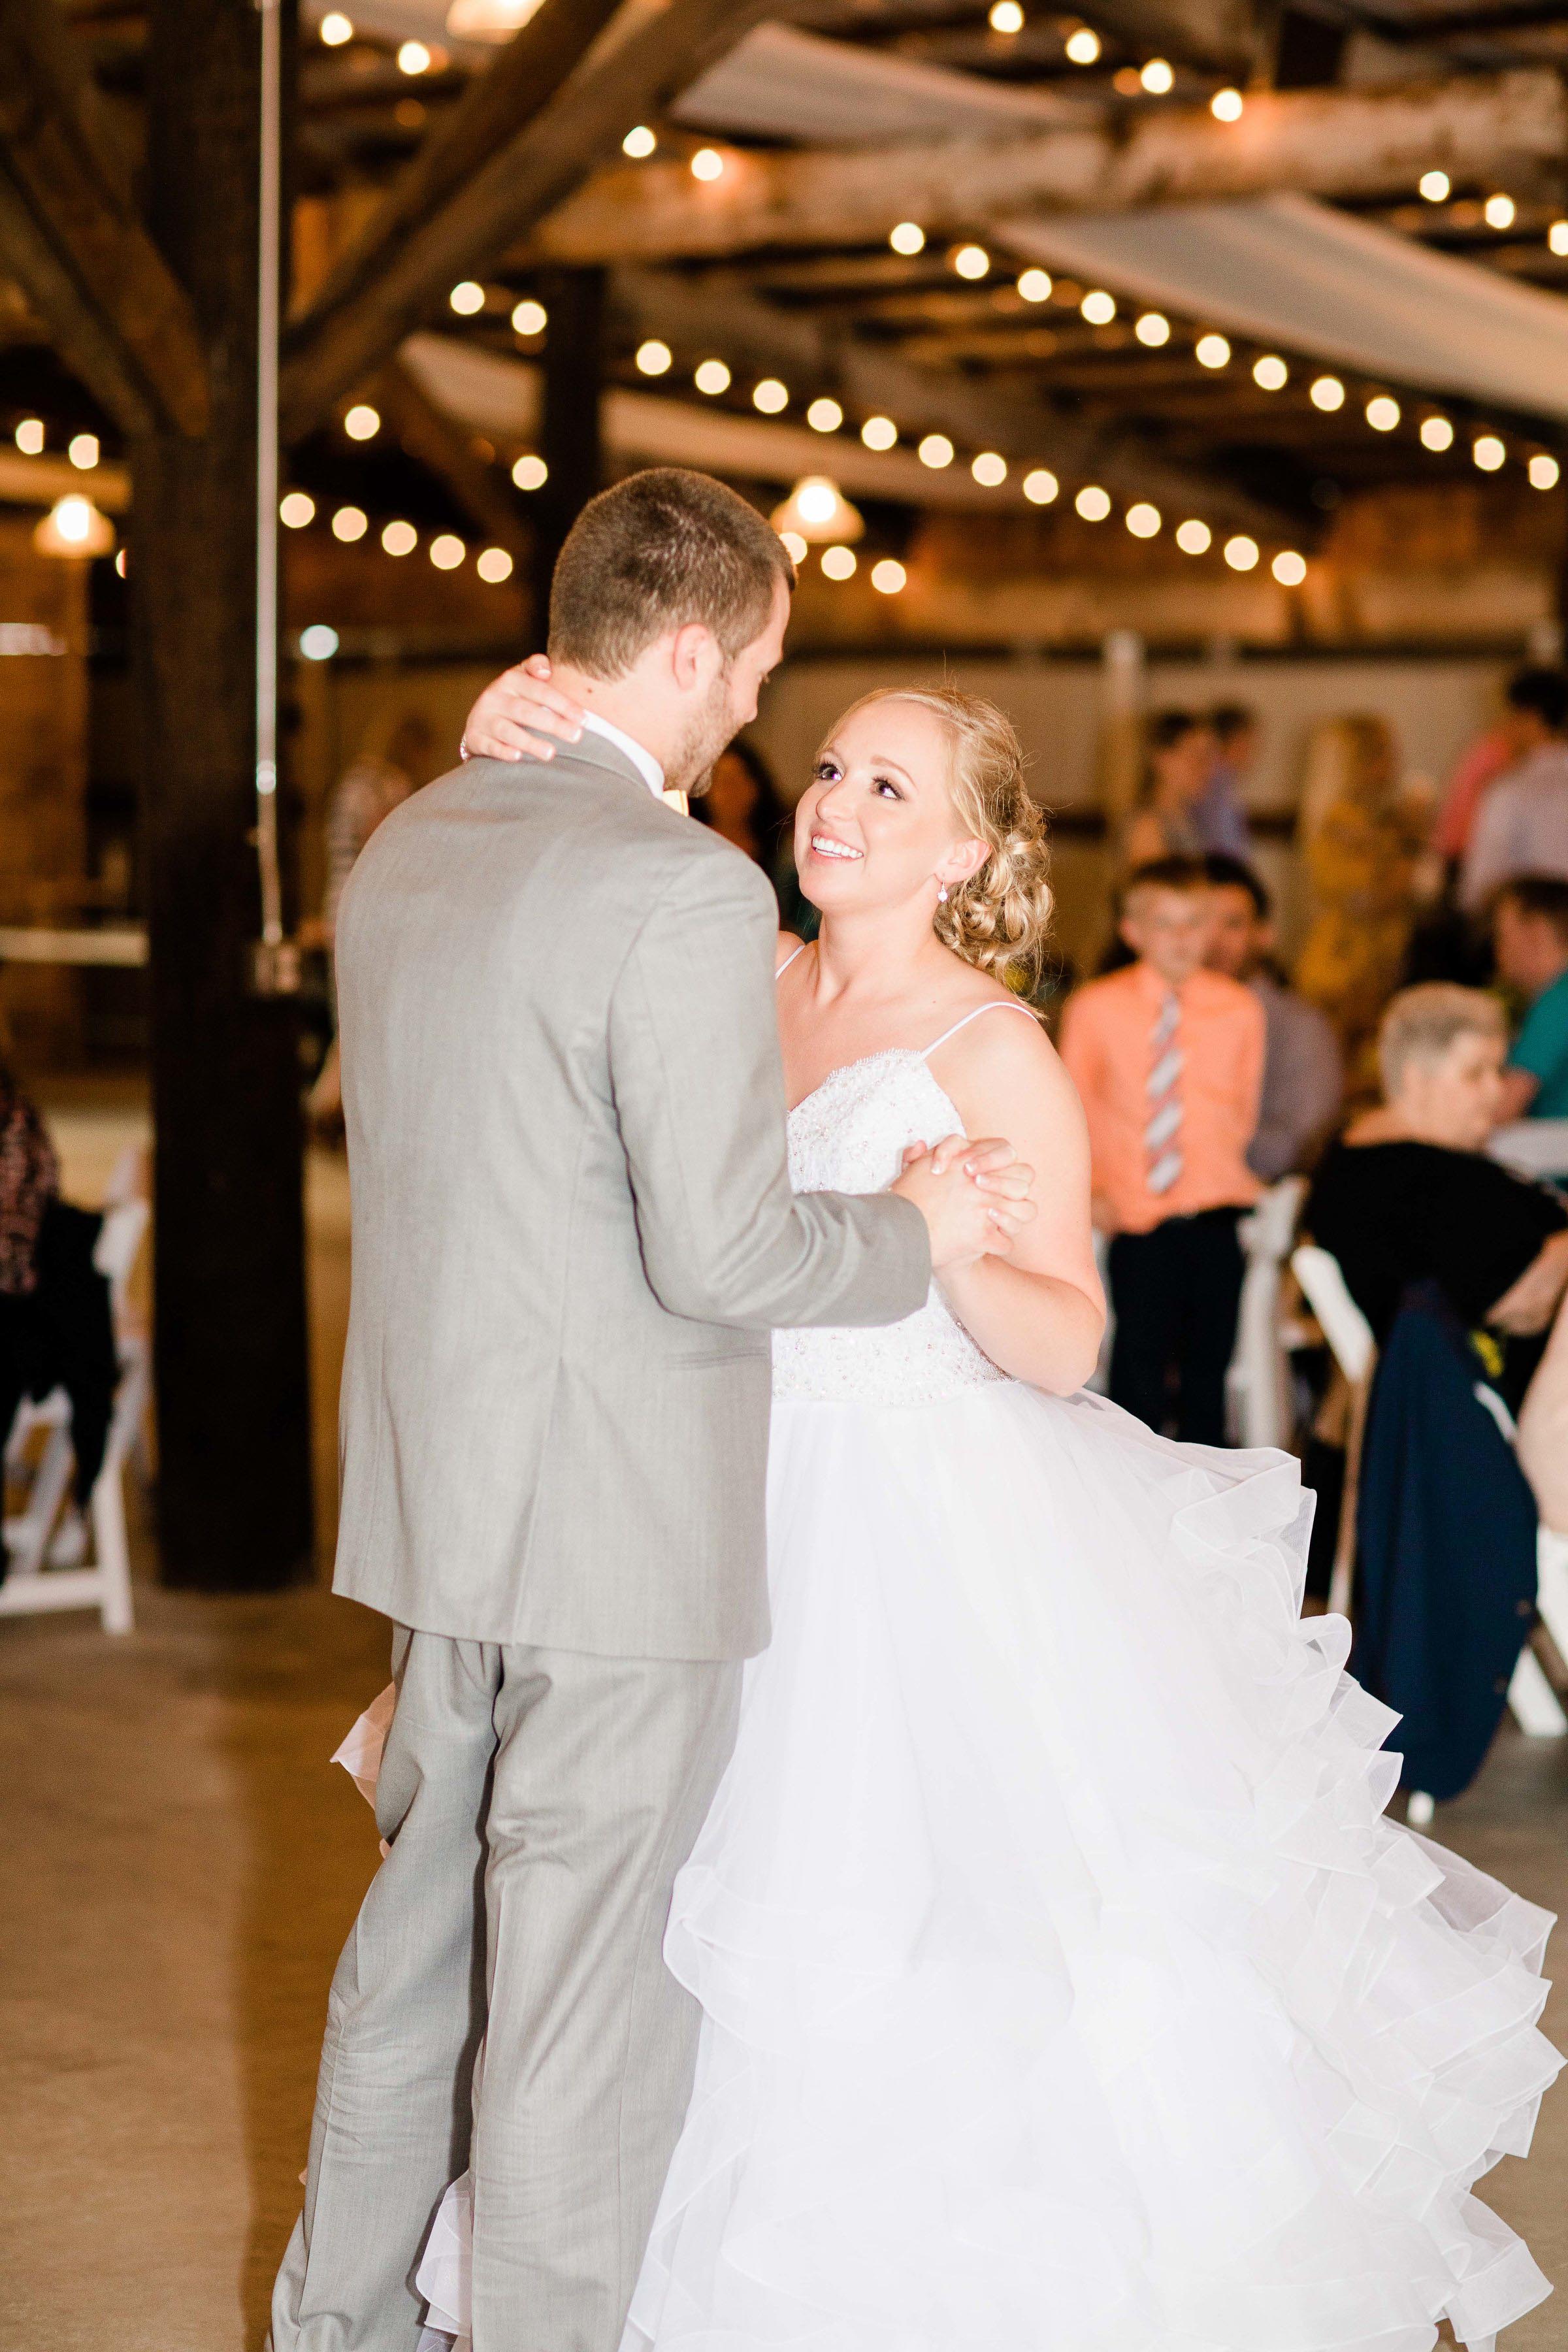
<point>1164,1121</point>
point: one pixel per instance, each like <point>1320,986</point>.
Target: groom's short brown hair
<point>657,550</point>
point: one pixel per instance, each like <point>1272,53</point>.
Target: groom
<point>573,1232</point>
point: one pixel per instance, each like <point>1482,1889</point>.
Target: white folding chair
<point>1258,1385</point>
<point>1531,1146</point>
<point>1350,1343</point>
<point>103,1582</point>
<point>1533,1703</point>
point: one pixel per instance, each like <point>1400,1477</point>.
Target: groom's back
<point>503,1338</point>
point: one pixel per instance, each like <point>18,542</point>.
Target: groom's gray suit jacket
<point>572,1225</point>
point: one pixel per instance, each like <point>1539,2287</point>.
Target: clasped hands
<point>975,1197</point>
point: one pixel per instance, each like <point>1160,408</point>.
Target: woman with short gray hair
<point>1410,1194</point>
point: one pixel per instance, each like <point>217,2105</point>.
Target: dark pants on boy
<point>1177,1292</point>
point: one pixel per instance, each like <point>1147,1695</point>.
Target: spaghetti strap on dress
<point>993,1004</point>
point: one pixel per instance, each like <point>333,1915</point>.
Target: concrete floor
<point>179,1867</point>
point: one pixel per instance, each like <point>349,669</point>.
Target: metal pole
<point>266,474</point>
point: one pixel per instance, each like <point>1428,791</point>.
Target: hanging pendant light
<point>818,511</point>
<point>74,526</point>
<point>488,20</point>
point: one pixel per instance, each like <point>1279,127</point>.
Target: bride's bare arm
<point>1040,1314</point>
<point>519,712</point>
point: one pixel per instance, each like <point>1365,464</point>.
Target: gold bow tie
<point>678,802</point>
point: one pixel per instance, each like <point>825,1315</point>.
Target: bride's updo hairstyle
<point>1000,919</point>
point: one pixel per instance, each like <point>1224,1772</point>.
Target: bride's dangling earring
<point>941,894</point>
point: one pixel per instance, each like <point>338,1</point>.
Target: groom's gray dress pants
<point>538,1804</point>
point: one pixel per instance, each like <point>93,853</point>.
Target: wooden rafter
<point>482,200</point>
<point>430,436</point>
<point>1212,34</point>
<point>68,234</point>
<point>1373,143</point>
<point>497,107</point>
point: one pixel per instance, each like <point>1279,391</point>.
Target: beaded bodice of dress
<point>849,1136</point>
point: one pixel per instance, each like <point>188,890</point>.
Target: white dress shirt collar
<point>643,760</point>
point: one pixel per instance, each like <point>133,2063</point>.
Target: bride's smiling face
<point>877,825</point>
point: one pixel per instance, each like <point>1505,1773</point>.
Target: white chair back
<point>119,1246</point>
<point>1532,1146</point>
<point>1258,1385</point>
<point>1344,1326</point>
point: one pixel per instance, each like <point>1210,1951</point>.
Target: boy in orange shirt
<point>1169,1060</point>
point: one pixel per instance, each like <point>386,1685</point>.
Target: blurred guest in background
<point>55,1327</point>
<point>1303,1078</point>
<point>1178,760</point>
<point>1521,826</point>
<point>1491,754</point>
<point>1361,840</point>
<point>366,793</point>
<point>1220,810</point>
<point>378,780</point>
<point>1529,932</point>
<point>1543,1430</point>
<point>744,804</point>
<point>1168,1059</point>
<point>1411,1195</point>
<point>30,1180</point>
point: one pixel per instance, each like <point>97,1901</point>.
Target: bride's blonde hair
<point>1000,919</point>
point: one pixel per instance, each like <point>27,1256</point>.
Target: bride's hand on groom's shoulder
<point>975,1196</point>
<point>518,715</point>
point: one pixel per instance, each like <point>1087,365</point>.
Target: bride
<point>1063,1985</point>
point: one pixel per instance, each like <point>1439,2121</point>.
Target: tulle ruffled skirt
<point>1064,1988</point>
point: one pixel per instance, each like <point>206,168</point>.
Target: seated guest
<point>1530,933</point>
<point>1410,1195</point>
<point>1303,1077</point>
<point>56,1328</point>
<point>1168,1061</point>
<point>1543,1430</point>
<point>30,1180</point>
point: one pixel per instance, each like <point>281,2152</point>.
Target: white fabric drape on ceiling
<point>1282,269</point>
<point>779,83</point>
<point>1289,270</point>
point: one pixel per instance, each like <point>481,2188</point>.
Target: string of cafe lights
<point>1155,78</point>
<point>1382,412</point>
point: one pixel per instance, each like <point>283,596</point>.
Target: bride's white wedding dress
<point>1064,1988</point>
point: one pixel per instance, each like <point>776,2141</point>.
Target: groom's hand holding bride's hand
<point>519,713</point>
<point>975,1197</point>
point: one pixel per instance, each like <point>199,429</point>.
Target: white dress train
<point>1064,1988</point>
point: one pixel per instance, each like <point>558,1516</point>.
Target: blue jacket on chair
<point>1446,1529</point>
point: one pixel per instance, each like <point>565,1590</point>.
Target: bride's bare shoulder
<point>1005,1061</point>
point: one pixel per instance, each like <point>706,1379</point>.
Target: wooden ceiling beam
<point>497,107</point>
<point>121,318</point>
<point>1214,35</point>
<point>1367,142</point>
<point>514,148</point>
<point>438,443</point>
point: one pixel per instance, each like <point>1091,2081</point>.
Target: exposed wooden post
<point>233,1408</point>
<point>570,441</point>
